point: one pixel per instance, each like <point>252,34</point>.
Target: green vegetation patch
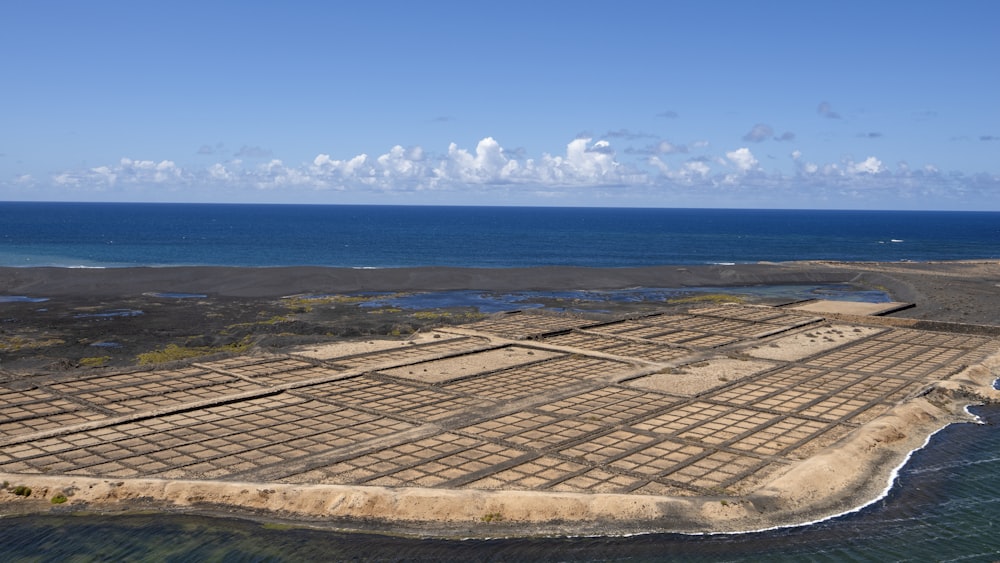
<point>384,310</point>
<point>461,316</point>
<point>94,361</point>
<point>491,517</point>
<point>174,352</point>
<point>18,343</point>
<point>305,304</point>
<point>708,298</point>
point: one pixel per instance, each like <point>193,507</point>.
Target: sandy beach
<point>679,356</point>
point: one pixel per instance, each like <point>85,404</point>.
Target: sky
<point>741,104</point>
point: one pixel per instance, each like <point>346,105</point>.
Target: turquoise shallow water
<point>944,506</point>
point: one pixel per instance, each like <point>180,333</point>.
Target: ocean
<point>128,234</point>
<point>942,507</point>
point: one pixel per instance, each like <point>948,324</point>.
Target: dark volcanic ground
<point>67,333</point>
<point>109,318</point>
<point>79,333</point>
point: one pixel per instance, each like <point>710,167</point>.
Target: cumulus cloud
<point>585,165</point>
<point>487,164</point>
<point>743,159</point>
<point>785,137</point>
<point>870,165</point>
<point>848,169</point>
<point>669,114</point>
<point>826,110</point>
<point>691,172</point>
<point>275,175</point>
<point>126,172</point>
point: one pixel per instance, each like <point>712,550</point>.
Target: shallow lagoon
<point>495,302</point>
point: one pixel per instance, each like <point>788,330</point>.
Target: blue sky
<point>888,105</point>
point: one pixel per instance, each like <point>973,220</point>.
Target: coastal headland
<point>280,394</point>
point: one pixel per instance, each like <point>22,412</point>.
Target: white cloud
<point>743,159</point>
<point>485,172</point>
<point>128,172</point>
<point>274,175</point>
<point>871,165</point>
<point>219,172</point>
<point>589,163</point>
<point>697,168</point>
<point>398,163</point>
<point>689,173</point>
<point>324,166</point>
<point>487,165</point>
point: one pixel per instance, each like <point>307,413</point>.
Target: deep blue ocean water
<point>944,506</point>
<point>128,234</point>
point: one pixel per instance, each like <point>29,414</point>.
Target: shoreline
<point>962,291</point>
<point>275,282</point>
<point>786,499</point>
